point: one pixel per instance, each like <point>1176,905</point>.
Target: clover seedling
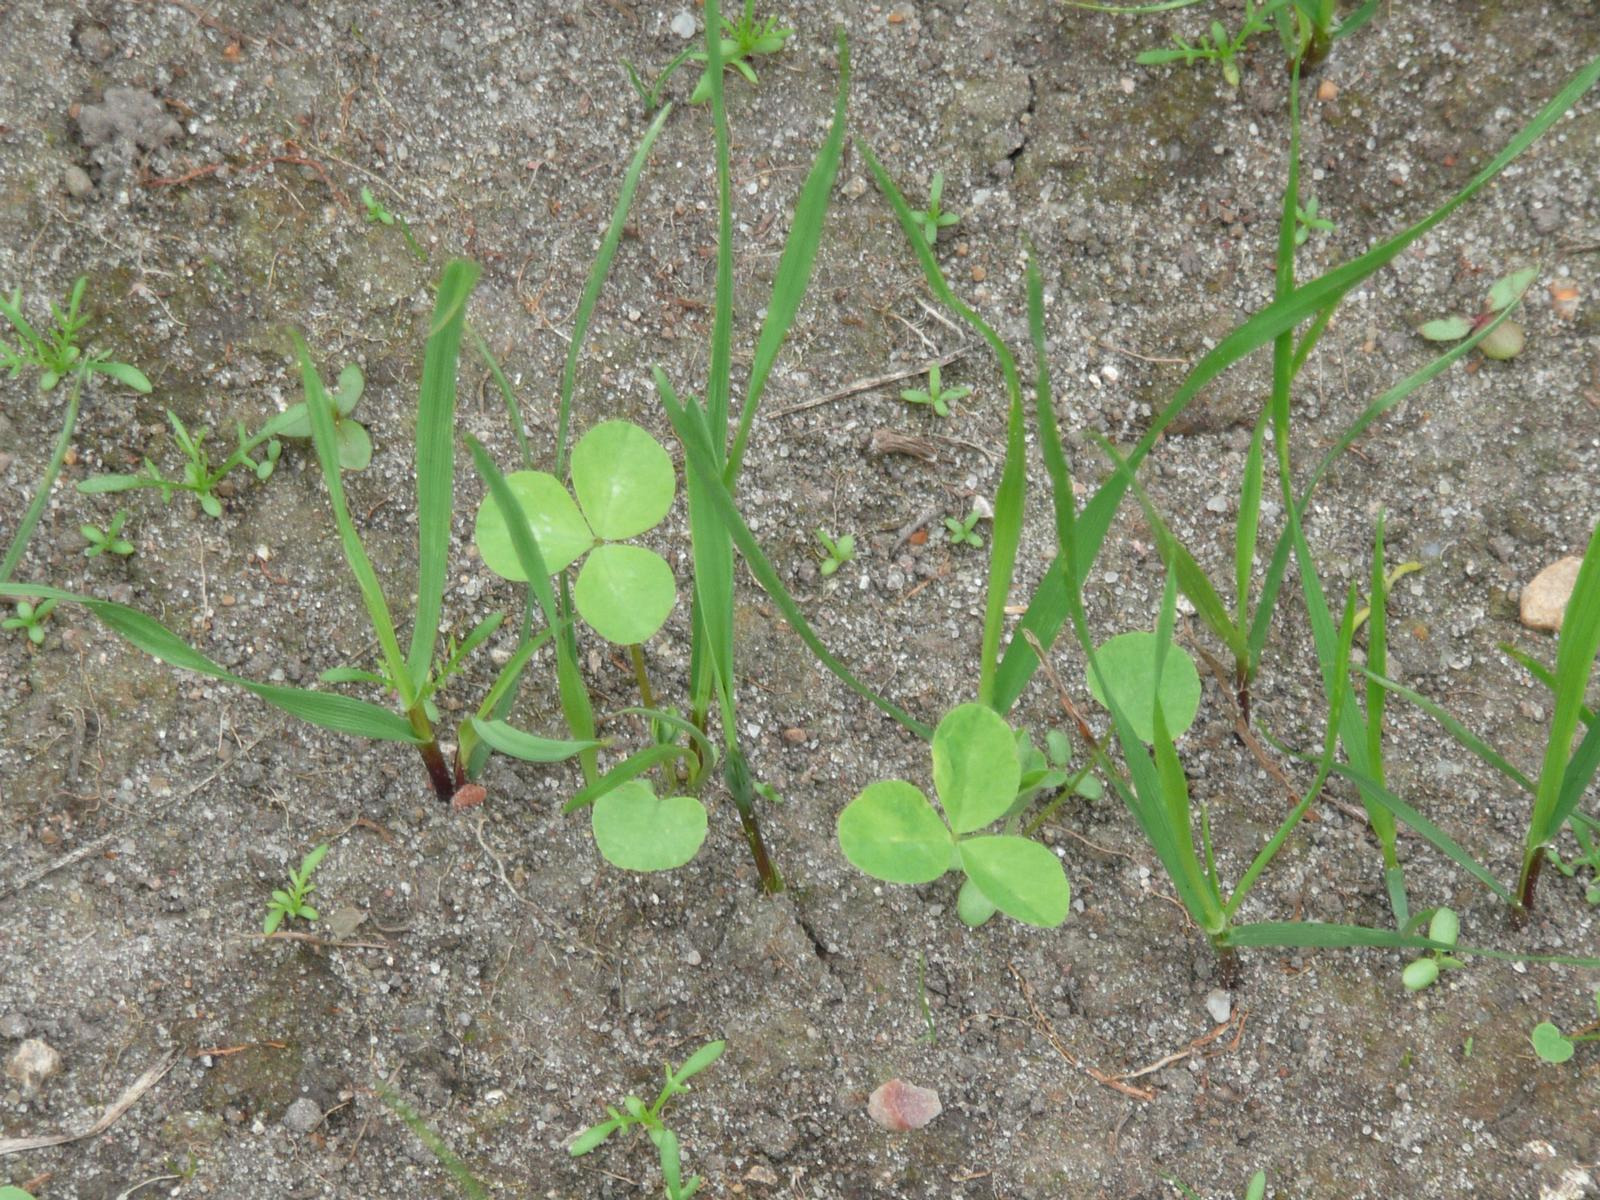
<point>1050,770</point>
<point>637,832</point>
<point>1129,662</point>
<point>892,832</point>
<point>1550,1044</point>
<point>109,540</point>
<point>351,437</point>
<point>1422,972</point>
<point>1506,339</point>
<point>292,903</point>
<point>32,618</point>
<point>835,551</point>
<point>635,1112</point>
<point>933,218</point>
<point>935,394</point>
<point>962,532</point>
<point>624,484</point>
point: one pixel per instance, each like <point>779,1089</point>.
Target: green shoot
<point>108,540</point>
<point>1307,222</point>
<point>935,394</point>
<point>932,219</point>
<point>292,902</point>
<point>379,214</point>
<point>469,1183</point>
<point>31,618</point>
<point>962,531</point>
<point>835,552</point>
<point>742,40</point>
<point>1586,832</point>
<point>1256,1189</point>
<point>1505,341</point>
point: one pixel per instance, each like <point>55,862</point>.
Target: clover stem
<point>646,696</point>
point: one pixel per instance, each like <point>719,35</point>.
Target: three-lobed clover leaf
<point>624,484</point>
<point>892,832</point>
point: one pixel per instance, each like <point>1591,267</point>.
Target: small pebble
<point>77,182</point>
<point>1220,1005</point>
<point>32,1063</point>
<point>304,1115</point>
<point>683,24</point>
<point>14,1025</point>
<point>899,1106</point>
<point>1544,600</point>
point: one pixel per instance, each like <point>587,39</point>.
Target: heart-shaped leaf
<point>1550,1044</point>
<point>1129,663</point>
<point>975,769</point>
<point>348,393</point>
<point>891,832</point>
<point>625,593</point>
<point>637,832</point>
<point>623,479</point>
<point>1022,878</point>
<point>558,527</point>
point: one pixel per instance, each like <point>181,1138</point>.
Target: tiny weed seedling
<point>961,531</point>
<point>379,214</point>
<point>1507,338</point>
<point>892,832</point>
<point>108,540</point>
<point>932,219</point>
<point>742,40</point>
<point>1256,1189</point>
<point>1421,972</point>
<point>1307,222</point>
<point>1586,832</point>
<point>31,618</point>
<point>835,552</point>
<point>635,1112</point>
<point>935,394</point>
<point>1550,1044</point>
<point>293,901</point>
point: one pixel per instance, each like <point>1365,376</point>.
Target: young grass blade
<point>1543,674</point>
<point>342,714</point>
<point>465,1179</point>
<point>719,371</point>
<point>597,278</point>
<point>1464,736</point>
<point>436,446</point>
<point>529,747</point>
<point>575,705</point>
<point>1049,608</point>
<point>519,427</point>
<point>1321,935</point>
<point>496,704</point>
<point>700,462</point>
<point>1010,493</point>
<point>41,496</point>
<point>794,267</point>
<point>320,408</point>
<point>636,764</point>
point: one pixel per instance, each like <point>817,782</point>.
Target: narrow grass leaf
<point>1458,731</point>
<point>1323,935</point>
<point>342,714</point>
<point>529,747</point>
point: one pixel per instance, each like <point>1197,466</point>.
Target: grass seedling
<point>892,832</point>
<point>30,618</point>
<point>935,394</point>
<point>834,552</point>
<point>1555,1047</point>
<point>962,531</point>
<point>108,540</point>
<point>1256,1189</point>
<point>470,1185</point>
<point>291,903</point>
<point>1420,973</point>
<point>1507,339</point>
<point>932,219</point>
<point>379,214</point>
<point>636,1113</point>
<point>56,355</point>
<point>742,40</point>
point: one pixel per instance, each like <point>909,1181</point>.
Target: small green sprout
<point>14,1193</point>
<point>1586,832</point>
<point>962,531</point>
<point>742,39</point>
<point>934,218</point>
<point>30,617</point>
<point>353,441</point>
<point>1422,972</point>
<point>1254,1190</point>
<point>58,354</point>
<point>1506,339</point>
<point>635,1112</point>
<point>292,903</point>
<point>1307,222</point>
<point>379,214</point>
<point>108,540</point>
<point>936,394</point>
<point>1550,1044</point>
<point>835,552</point>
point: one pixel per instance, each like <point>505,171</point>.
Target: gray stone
<point>129,115</point>
<point>77,182</point>
<point>304,1115</point>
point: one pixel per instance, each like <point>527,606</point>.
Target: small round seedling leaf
<point>1550,1044</point>
<point>975,768</point>
<point>1022,878</point>
<point>891,832</point>
<point>1129,663</point>
<point>1506,290</point>
<point>637,832</point>
<point>1447,329</point>
<point>355,445</point>
<point>348,393</point>
<point>558,527</point>
<point>972,906</point>
<point>625,593</point>
<point>1419,974</point>
<point>623,479</point>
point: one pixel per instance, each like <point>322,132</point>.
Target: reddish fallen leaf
<point>468,795</point>
<point>899,1106</point>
